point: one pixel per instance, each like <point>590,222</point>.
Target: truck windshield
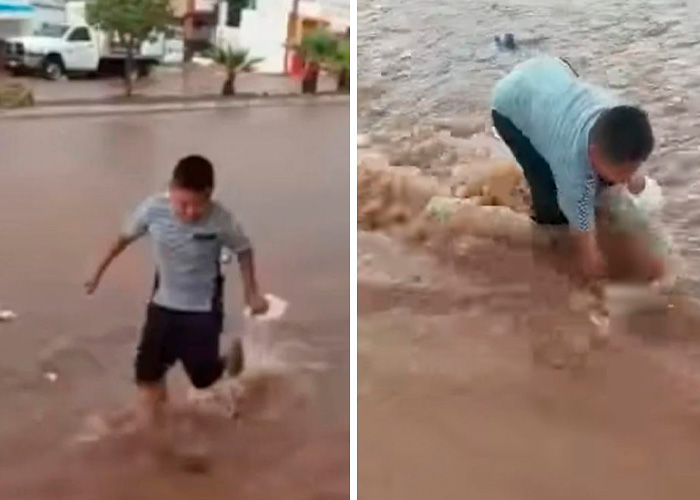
<point>52,30</point>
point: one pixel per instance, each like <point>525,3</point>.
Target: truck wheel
<point>53,68</point>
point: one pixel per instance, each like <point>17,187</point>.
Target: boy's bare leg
<point>152,400</point>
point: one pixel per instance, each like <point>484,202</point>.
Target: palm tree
<point>234,61</point>
<point>339,64</point>
<point>316,48</point>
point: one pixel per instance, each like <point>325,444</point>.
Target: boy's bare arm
<point>113,252</point>
<point>253,299</point>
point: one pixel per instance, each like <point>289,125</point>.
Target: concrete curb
<point>86,110</point>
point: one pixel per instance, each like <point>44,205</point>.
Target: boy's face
<point>189,206</point>
<point>615,173</point>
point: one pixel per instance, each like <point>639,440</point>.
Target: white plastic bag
<point>639,214</point>
<point>258,342</point>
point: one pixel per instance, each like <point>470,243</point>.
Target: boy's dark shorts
<point>190,337</point>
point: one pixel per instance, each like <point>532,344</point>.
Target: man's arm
<point>588,254</point>
<point>580,208</point>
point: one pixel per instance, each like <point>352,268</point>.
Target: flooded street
<point>65,186</point>
<point>478,376</point>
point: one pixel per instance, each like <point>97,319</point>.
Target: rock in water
<point>507,42</point>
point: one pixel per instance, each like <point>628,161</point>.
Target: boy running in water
<point>184,319</point>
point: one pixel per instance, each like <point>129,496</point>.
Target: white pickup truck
<point>76,48</point>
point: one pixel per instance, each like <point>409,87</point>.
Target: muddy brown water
<point>476,380</point>
<point>66,184</point>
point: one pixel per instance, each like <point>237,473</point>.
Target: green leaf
<point>130,19</point>
<point>318,46</point>
<point>235,60</point>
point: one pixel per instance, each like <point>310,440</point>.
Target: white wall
<point>226,36</point>
<point>264,32</point>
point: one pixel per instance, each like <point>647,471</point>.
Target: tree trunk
<point>229,87</point>
<point>129,69</point>
<point>344,80</point>
<point>309,84</point>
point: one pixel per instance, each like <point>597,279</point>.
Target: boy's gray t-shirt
<point>186,255</point>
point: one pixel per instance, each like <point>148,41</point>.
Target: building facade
<point>24,17</point>
<point>264,27</point>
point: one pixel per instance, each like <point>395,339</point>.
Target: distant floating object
<point>6,315</point>
<point>507,42</point>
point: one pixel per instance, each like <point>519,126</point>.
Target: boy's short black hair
<point>624,134</point>
<point>195,173</point>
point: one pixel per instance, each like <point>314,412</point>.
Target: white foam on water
<point>267,355</point>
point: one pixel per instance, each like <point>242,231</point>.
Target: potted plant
<point>233,61</point>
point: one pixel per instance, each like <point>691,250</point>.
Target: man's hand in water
<point>590,257</point>
<point>257,304</point>
<point>594,266</point>
<point>636,184</point>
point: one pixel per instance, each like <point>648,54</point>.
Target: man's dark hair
<point>624,134</point>
<point>195,173</point>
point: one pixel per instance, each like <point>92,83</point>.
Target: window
<point>235,8</point>
<point>79,35</point>
<point>233,18</point>
<point>52,30</point>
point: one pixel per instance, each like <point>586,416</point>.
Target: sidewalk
<point>145,105</point>
<point>165,84</point>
